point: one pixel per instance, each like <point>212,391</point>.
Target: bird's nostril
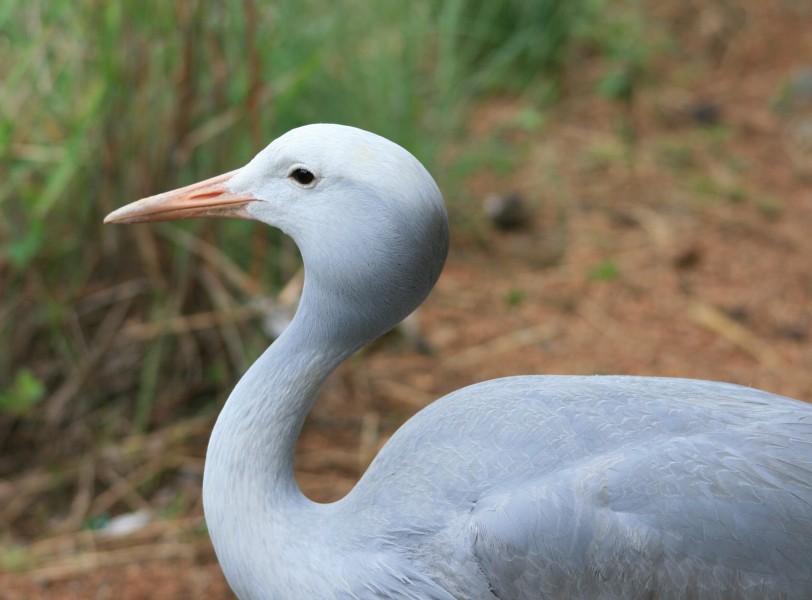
<point>204,195</point>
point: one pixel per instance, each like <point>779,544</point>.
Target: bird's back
<point>535,487</point>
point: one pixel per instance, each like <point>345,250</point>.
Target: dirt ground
<point>671,236</point>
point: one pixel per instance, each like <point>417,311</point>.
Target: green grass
<point>608,270</point>
<point>105,102</point>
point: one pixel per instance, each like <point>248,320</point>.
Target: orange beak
<point>209,198</point>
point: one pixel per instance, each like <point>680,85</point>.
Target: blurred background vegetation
<point>106,102</point>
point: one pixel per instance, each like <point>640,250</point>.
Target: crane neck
<point>254,439</point>
<point>250,494</point>
<point>252,503</point>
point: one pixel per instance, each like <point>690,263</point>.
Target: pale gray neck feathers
<point>372,251</point>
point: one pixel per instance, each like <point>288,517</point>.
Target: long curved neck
<point>251,500</point>
<point>263,528</point>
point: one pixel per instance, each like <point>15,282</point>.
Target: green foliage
<point>14,558</point>
<point>618,84</point>
<point>771,208</point>
<point>677,154</point>
<point>722,186</point>
<point>615,29</point>
<point>25,245</point>
<point>529,120</point>
<point>106,102</point>
<point>511,44</point>
<point>515,297</point>
<point>97,522</point>
<point>606,271</point>
<point>23,394</point>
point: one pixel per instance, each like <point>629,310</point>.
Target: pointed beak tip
<point>116,216</point>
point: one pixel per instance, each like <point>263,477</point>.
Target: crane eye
<point>302,176</point>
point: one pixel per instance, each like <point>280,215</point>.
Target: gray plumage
<point>519,488</point>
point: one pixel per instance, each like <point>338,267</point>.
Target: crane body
<point>523,488</point>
